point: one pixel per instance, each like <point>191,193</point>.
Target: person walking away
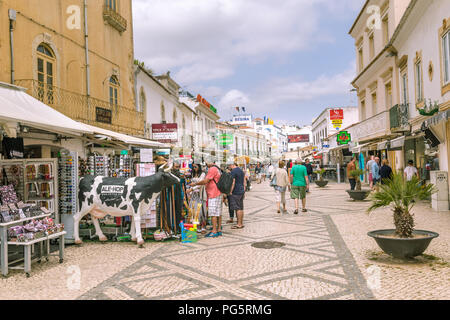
<point>375,169</point>
<point>198,195</point>
<point>411,171</point>
<point>230,211</point>
<point>270,171</point>
<point>282,184</point>
<point>299,183</point>
<point>352,179</point>
<point>247,178</point>
<point>237,194</point>
<point>385,171</point>
<point>369,169</point>
<point>309,170</point>
<point>258,172</point>
<point>214,198</point>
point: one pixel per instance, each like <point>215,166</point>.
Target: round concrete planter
<point>358,195</point>
<point>322,183</point>
<point>403,248</point>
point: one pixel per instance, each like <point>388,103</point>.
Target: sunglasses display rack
<point>98,166</point>
<point>68,182</point>
<point>35,181</point>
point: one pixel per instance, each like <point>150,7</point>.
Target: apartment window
<point>361,58</point>
<point>113,90</point>
<point>371,46</point>
<point>163,112</point>
<point>385,29</point>
<point>45,73</point>
<point>405,88</point>
<point>374,104</point>
<point>446,52</point>
<point>112,4</point>
<point>419,81</point>
<point>388,89</point>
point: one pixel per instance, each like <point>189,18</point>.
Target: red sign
<point>165,133</point>
<point>336,114</point>
<point>206,103</point>
<point>298,138</point>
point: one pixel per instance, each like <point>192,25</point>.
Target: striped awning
<point>435,120</point>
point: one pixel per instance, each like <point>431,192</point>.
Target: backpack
<point>225,182</point>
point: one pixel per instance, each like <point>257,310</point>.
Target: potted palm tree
<point>321,182</point>
<point>401,195</point>
<point>358,194</point>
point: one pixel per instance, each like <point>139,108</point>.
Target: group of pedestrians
<point>296,180</point>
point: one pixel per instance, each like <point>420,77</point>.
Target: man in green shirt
<point>299,184</point>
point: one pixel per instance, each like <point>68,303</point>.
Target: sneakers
<point>212,235</point>
<point>296,211</point>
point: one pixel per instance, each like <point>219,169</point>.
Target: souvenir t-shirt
<point>238,176</point>
<point>211,188</point>
<point>299,172</point>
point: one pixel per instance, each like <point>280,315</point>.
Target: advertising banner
<point>298,138</point>
<point>225,139</point>
<point>165,133</point>
<point>337,114</point>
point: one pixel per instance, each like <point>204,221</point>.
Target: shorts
<point>236,202</point>
<point>298,192</point>
<point>215,206</point>
<point>370,177</point>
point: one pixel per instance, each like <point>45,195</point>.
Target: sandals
<point>237,227</point>
<point>304,210</point>
<point>212,235</point>
<point>230,221</point>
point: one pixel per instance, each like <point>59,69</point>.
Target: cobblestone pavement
<point>327,255</point>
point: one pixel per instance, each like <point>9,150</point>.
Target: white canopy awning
<point>398,143</point>
<point>17,106</point>
<point>134,141</point>
<point>360,148</point>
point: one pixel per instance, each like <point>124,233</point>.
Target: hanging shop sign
<point>344,138</point>
<point>165,133</point>
<point>163,152</point>
<point>103,115</point>
<point>146,155</point>
<point>225,139</point>
<point>336,114</point>
<point>298,138</point>
<point>206,103</point>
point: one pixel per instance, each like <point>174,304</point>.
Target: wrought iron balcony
<point>86,109</point>
<point>114,19</point>
<point>399,116</point>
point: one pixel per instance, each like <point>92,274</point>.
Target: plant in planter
<point>401,196</point>
<point>321,182</point>
<point>358,194</point>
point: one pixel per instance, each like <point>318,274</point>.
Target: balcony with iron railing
<point>114,18</point>
<point>86,109</point>
<point>399,118</point>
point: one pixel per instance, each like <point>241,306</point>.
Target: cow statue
<point>120,197</point>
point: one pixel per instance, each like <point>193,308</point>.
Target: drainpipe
<point>12,19</point>
<point>86,45</point>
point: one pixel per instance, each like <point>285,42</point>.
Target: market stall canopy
<point>360,148</point>
<point>17,106</point>
<point>134,141</point>
<point>242,159</point>
<point>382,145</point>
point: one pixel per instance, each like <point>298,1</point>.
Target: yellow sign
<point>336,121</point>
<point>270,121</point>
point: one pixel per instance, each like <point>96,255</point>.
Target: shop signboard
<point>225,139</point>
<point>103,115</point>
<point>163,152</point>
<point>146,155</point>
<point>298,138</point>
<point>165,133</point>
<point>206,103</point>
<point>344,138</point>
<point>336,118</point>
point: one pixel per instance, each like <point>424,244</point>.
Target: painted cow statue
<point>119,197</point>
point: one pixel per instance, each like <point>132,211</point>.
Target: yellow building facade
<point>74,55</point>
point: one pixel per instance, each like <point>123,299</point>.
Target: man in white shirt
<point>411,171</point>
<point>369,169</point>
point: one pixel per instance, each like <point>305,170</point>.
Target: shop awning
<point>130,140</point>
<point>17,106</point>
<point>436,119</point>
<point>382,145</point>
<point>360,148</point>
<point>397,143</point>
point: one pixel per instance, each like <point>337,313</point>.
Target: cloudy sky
<point>286,59</point>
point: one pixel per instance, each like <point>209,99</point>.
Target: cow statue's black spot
<point>124,207</point>
<point>85,186</point>
<point>112,199</point>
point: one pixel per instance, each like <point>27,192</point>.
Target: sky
<point>284,59</point>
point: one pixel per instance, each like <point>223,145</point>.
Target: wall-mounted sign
<point>146,155</point>
<point>242,118</point>
<point>206,103</point>
<point>225,139</point>
<point>337,114</point>
<point>103,115</point>
<point>298,138</point>
<point>165,133</point>
<point>343,138</point>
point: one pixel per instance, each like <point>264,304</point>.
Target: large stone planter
<point>403,248</point>
<point>321,183</point>
<point>358,195</point>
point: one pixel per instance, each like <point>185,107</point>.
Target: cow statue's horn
<point>169,168</point>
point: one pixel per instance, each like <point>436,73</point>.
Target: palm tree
<point>320,173</point>
<point>356,173</point>
<point>401,195</point>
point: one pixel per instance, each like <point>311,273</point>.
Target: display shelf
<point>26,243</point>
<point>13,223</point>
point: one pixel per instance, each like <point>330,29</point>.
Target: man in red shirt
<point>214,198</point>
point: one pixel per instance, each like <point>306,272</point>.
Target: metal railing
<point>114,19</point>
<point>83,108</point>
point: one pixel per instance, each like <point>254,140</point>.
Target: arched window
<point>163,112</point>
<point>112,4</point>
<point>114,90</point>
<point>142,101</point>
<point>174,115</point>
<point>45,73</point>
